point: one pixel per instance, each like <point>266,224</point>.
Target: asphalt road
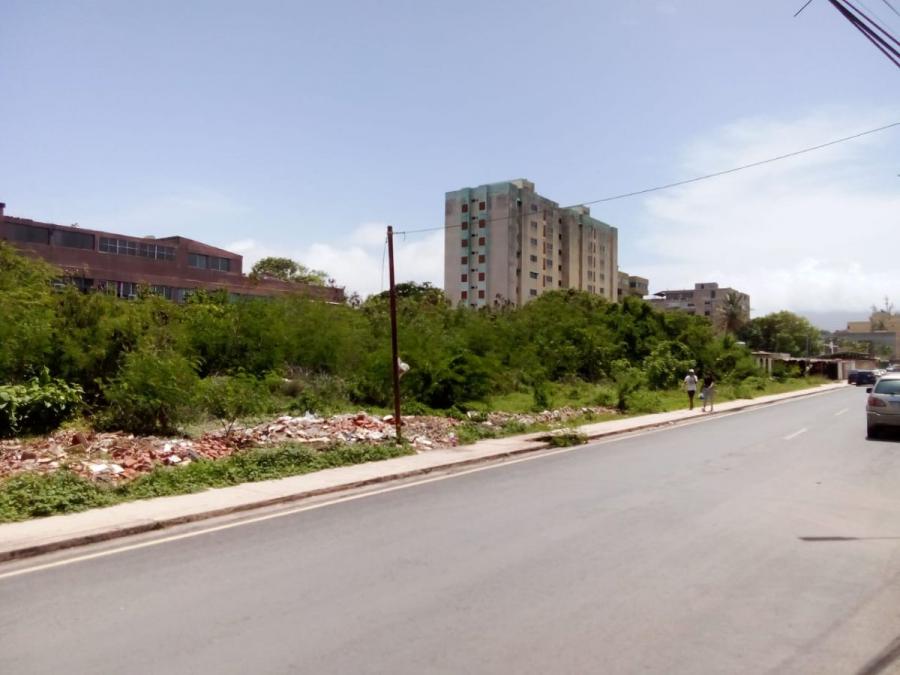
<point>766,541</point>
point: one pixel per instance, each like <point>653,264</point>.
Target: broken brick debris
<point>117,456</point>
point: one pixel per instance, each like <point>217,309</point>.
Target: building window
<point>481,258</point>
<point>464,243</point>
<point>533,258</point>
<point>464,295</point>
<point>481,276</point>
<point>220,264</point>
<point>465,208</point>
<point>532,292</point>
<point>534,207</point>
<point>534,242</point>
<point>481,206</point>
<point>481,295</point>
<point>121,289</point>
<point>162,291</point>
<point>464,260</point>
<point>482,222</point>
<point>533,275</point>
<point>548,280</point>
<point>533,225</point>
<point>464,225</point>
<point>34,235</point>
<point>145,250</point>
<point>481,241</point>
<point>463,277</point>
<point>197,260</point>
<point>75,239</point>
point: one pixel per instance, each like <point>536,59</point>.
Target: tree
<point>733,314</point>
<point>288,270</point>
<point>879,314</point>
<point>782,332</point>
<point>26,314</point>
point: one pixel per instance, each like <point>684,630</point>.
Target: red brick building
<point>119,264</point>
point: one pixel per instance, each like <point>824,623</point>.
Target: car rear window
<point>887,387</point>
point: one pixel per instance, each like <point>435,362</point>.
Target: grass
<point>566,439</point>
<point>36,495</point>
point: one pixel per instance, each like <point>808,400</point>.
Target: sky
<point>302,129</point>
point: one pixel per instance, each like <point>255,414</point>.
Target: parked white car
<point>883,404</point>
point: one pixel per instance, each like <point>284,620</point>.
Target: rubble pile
<point>118,456</point>
<point>422,432</point>
<point>546,417</point>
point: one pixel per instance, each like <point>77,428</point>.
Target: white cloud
<point>808,233</point>
<point>360,264</point>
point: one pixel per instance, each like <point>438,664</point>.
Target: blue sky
<point>301,128</point>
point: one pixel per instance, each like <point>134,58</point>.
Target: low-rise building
<point>120,264</point>
<point>705,299</point>
<point>630,284</point>
<point>881,332</point>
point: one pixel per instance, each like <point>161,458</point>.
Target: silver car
<point>883,404</point>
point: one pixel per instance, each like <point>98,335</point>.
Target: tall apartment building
<point>705,299</point>
<point>119,264</point>
<point>504,243</point>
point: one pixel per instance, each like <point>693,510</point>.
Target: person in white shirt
<point>690,385</point>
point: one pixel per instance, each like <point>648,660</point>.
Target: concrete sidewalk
<point>34,537</point>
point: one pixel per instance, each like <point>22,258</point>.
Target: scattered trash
<point>121,457</point>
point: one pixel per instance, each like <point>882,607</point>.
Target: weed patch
<point>26,496</point>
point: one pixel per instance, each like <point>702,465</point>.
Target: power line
<point>802,8</point>
<point>697,178</point>
<point>740,168</point>
<point>869,28</point>
<point>887,2</point>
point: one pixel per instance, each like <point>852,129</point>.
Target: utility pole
<point>395,357</point>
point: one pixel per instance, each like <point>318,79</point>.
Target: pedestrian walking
<point>709,391</point>
<point>690,386</point>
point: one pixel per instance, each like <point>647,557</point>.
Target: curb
<point>537,445</point>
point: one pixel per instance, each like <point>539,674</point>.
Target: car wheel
<point>871,432</point>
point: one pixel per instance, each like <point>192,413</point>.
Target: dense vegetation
<point>150,365</point>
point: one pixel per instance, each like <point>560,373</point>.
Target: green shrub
<point>644,402</point>
<point>38,406</point>
<point>320,393</point>
<point>755,382</point>
<point>565,439</point>
<point>154,393</point>
<point>606,397</point>
<point>230,397</point>
<point>741,390</point>
<point>541,394</point>
<point>28,495</point>
<point>667,364</point>
<point>514,427</point>
<point>627,379</point>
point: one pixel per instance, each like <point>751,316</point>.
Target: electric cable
<point>697,178</point>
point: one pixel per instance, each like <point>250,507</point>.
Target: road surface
<point>766,541</point>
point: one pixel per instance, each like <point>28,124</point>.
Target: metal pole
<point>395,357</point>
